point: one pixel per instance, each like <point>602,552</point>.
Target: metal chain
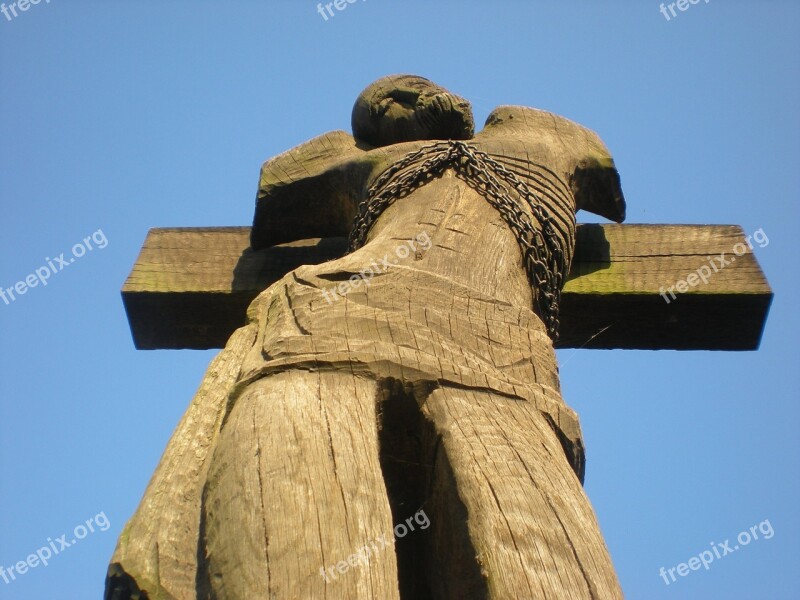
<point>541,246</point>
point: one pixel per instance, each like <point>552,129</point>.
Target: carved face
<point>403,108</point>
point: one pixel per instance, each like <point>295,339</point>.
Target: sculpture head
<point>403,108</point>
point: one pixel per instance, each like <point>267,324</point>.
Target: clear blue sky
<point>121,116</point>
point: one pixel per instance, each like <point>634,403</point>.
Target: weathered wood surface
<point>190,287</point>
<point>347,418</point>
<point>313,189</point>
<point>431,387</point>
<point>157,550</point>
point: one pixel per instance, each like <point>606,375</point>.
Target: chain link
<point>541,246</point>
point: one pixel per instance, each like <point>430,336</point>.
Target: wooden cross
<point>343,409</point>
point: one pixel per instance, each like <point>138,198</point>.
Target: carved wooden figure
<point>411,381</point>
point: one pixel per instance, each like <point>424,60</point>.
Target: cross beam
<point>190,287</point>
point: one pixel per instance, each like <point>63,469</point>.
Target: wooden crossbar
<point>190,287</point>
